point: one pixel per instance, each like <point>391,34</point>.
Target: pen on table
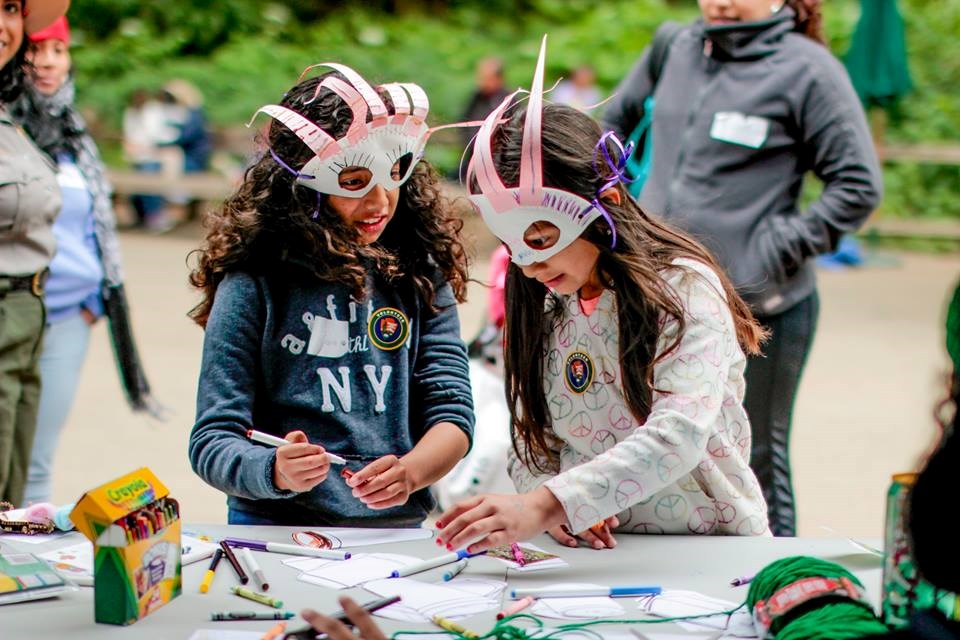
<point>292,549</point>
<point>274,441</point>
<point>208,576</point>
<point>430,563</point>
<point>247,556</point>
<point>274,632</point>
<point>515,607</point>
<point>742,580</point>
<point>455,570</point>
<point>251,615</point>
<point>582,592</point>
<point>308,633</point>
<point>517,553</point>
<point>450,625</point>
<point>262,598</point>
<point>232,559</point>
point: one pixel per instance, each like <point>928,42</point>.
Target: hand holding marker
<point>274,441</point>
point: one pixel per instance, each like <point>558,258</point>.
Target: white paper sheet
<point>226,634</point>
<point>422,600</point>
<point>586,608</point>
<point>341,574</point>
<point>678,603</point>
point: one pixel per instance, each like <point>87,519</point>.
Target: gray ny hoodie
<point>742,113</point>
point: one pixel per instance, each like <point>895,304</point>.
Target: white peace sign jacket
<point>685,470</point>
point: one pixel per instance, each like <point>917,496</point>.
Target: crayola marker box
<point>135,529</point>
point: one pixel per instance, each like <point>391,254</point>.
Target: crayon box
<point>135,529</point>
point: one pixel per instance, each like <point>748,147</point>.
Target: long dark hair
<point>633,269</point>
<point>268,225</point>
<point>14,74</point>
<point>809,18</point>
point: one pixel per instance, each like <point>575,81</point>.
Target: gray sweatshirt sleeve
<point>839,149</point>
<point>625,108</point>
<point>441,376</point>
<point>219,451</point>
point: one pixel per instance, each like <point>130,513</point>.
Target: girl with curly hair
<point>748,102</point>
<point>329,283</point>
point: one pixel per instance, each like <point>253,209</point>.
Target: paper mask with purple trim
<point>509,212</point>
<point>376,146</point>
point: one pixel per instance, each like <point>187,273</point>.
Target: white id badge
<point>737,128</point>
<point>329,338</point>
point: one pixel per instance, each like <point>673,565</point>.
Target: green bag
<point>641,160</point>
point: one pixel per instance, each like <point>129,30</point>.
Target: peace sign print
<point>620,418</point>
<point>718,447</point>
<point>580,425</point>
<point>687,366</point>
<point>627,492</point>
<point>567,334</point>
<point>752,526</point>
<point>647,527</point>
<point>597,323</point>
<point>560,407</point>
<point>726,512</point>
<point>554,363</point>
<point>666,465</point>
<point>596,396</point>
<point>586,513</point>
<point>640,462</point>
<point>671,507</point>
<point>602,440</point>
<point>596,484</point>
<point>702,521</point>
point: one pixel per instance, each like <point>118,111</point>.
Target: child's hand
<point>493,519</point>
<point>383,483</point>
<point>300,466</point>
<point>366,628</point>
<point>599,536</point>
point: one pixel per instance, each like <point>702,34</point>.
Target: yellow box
<point>135,529</point>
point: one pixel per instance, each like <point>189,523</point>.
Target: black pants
<point>772,381</point>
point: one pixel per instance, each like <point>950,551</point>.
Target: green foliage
<point>244,53</point>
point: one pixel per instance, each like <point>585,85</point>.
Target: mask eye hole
<point>401,167</point>
<point>541,235</point>
<point>354,178</point>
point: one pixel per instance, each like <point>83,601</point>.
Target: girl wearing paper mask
<point>329,283</point>
<point>624,350</point>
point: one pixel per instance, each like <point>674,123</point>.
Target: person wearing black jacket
<point>748,100</point>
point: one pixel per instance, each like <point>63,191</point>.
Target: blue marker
<point>439,561</point>
<point>455,570</point>
<point>583,592</point>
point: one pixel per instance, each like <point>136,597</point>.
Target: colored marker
<point>274,441</point>
<point>583,592</point>
<point>251,615</point>
<point>450,625</point>
<point>292,549</point>
<point>455,570</point>
<point>208,576</point>
<point>309,633</point>
<point>254,568</point>
<point>742,580</point>
<point>262,598</point>
<point>439,561</point>
<point>228,552</point>
<point>516,607</point>
<point>517,553</point>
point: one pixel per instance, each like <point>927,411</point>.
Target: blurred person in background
<point>488,93</point>
<point>580,91</point>
<point>29,203</point>
<point>749,99</point>
<point>146,128</point>
<point>85,272</point>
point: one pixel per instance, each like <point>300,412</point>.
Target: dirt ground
<point>864,409</point>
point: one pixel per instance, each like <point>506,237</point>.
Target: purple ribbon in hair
<point>619,173</point>
<point>297,174</point>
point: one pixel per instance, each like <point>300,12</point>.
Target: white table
<point>695,563</point>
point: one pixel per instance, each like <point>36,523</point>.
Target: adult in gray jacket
<point>748,101</point>
<point>29,202</point>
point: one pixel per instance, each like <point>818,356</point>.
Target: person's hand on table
<point>491,519</point>
<point>599,536</point>
<point>367,629</point>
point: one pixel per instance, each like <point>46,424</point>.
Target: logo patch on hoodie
<point>388,328</point>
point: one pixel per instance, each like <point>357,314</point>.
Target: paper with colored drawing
<point>422,600</point>
<point>340,574</point>
<point>677,603</point>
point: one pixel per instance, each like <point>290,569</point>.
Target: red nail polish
<point>439,541</point>
<point>449,547</point>
<point>439,525</point>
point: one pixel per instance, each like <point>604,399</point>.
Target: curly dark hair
<point>14,74</point>
<point>273,225</point>
<point>809,18</point>
<point>634,268</point>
